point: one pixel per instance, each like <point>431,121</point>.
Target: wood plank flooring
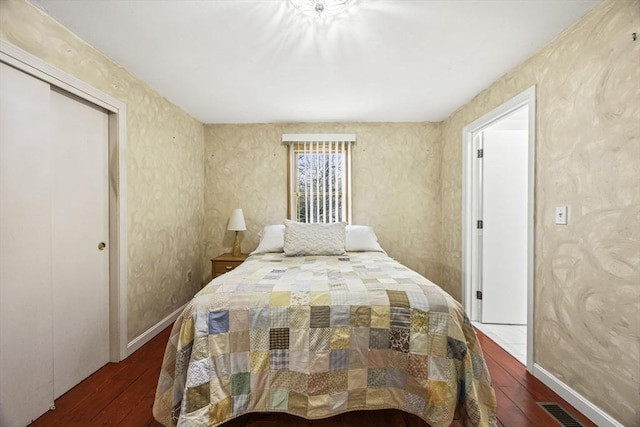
<point>121,394</point>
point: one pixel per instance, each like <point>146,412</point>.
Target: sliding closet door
<point>79,136</point>
<point>54,254</point>
<point>26,347</point>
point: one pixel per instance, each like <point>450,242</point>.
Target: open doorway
<point>498,154</point>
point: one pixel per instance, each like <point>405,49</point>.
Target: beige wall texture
<point>395,181</point>
<point>165,167</point>
<point>587,273</point>
<point>185,178</point>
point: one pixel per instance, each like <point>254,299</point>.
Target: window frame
<point>296,145</point>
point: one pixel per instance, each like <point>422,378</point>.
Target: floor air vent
<point>559,414</point>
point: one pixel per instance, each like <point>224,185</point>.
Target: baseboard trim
<point>588,409</point>
<point>147,335</point>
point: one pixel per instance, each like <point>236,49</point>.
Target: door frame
<point>469,261</point>
<point>117,110</point>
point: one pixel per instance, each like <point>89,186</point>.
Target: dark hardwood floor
<point>121,394</point>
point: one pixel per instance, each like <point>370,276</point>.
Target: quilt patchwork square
<point>279,360</point>
<point>218,322</point>
<point>399,340</point>
<point>278,338</point>
<point>279,317</point>
<point>319,317</point>
<point>240,383</point>
<point>319,339</point>
<point>259,339</point>
<point>318,383</point>
<point>379,338</point>
<point>278,399</point>
<point>340,315</point>
<point>339,338</point>
<point>338,360</point>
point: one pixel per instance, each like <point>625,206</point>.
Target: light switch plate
<point>561,215</point>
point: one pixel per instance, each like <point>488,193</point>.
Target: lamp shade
<point>236,222</point>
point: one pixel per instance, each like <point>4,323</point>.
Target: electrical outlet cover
<point>561,215</point>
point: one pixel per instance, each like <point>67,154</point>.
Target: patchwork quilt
<point>318,336</point>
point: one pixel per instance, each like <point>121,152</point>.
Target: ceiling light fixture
<point>320,8</point>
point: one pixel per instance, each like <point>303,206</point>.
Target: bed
<point>320,334</point>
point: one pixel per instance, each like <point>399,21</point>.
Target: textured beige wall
<point>396,184</point>
<point>164,165</point>
<point>587,274</point>
<point>407,184</point>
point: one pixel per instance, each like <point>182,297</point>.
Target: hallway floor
<point>513,338</point>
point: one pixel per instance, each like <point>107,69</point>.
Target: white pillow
<point>313,239</point>
<point>271,239</point>
<point>361,238</point>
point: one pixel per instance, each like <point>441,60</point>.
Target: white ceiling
<point>253,61</point>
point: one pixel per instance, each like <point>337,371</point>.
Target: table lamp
<point>236,223</point>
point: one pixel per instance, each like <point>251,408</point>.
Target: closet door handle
<point>101,246</point>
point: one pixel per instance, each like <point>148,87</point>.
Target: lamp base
<point>236,246</point>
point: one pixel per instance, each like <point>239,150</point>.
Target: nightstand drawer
<point>221,267</point>
<point>225,263</point>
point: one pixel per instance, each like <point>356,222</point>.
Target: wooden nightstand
<point>225,263</point>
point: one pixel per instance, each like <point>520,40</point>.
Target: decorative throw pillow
<point>271,239</point>
<point>313,239</point>
<point>361,238</point>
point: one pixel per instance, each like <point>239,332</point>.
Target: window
<point>319,177</point>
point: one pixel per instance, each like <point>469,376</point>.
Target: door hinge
<point>480,153</point>
<point>479,224</point>
<point>478,294</point>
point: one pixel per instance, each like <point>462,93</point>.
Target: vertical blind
<point>319,177</point>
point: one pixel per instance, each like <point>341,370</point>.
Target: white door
<point>504,223</point>
<point>26,340</point>
<point>54,322</point>
<point>79,137</point>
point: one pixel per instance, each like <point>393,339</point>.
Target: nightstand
<point>225,263</point>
